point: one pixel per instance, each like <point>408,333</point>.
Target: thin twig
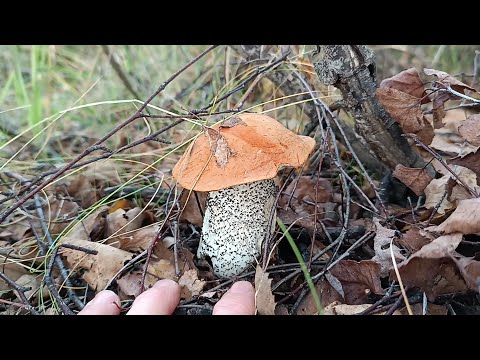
<point>87,151</point>
<point>21,293</point>
<point>51,244</point>
<point>79,248</point>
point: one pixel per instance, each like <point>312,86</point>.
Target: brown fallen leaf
<point>337,308</point>
<point>451,143</point>
<point>381,245</point>
<point>136,240</point>
<point>403,108</point>
<point>463,220</point>
<point>16,229</point>
<point>12,270</point>
<point>470,270</point>
<point>131,283</point>
<point>470,129</point>
<point>99,268</point>
<point>416,179</point>
<point>431,268</point>
<point>435,197</point>
<point>264,299</point>
<point>435,276</point>
<point>83,191</point>
<point>59,212</point>
<point>357,279</point>
<point>470,161</point>
<point>407,81</point>
<point>325,292</point>
<point>193,210</point>
<point>447,79</point>
<point>414,240</point>
<point>191,284</point>
<point>34,282</point>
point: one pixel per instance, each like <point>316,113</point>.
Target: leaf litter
<point>427,235</point>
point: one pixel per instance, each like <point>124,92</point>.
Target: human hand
<point>164,296</point>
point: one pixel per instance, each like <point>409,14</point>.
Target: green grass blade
<point>299,257</point>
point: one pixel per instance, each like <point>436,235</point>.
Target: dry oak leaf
<point>414,239</point>
<point>356,277</point>
<point>464,220</point>
<point>403,108</point>
<point>471,161</point>
<point>451,143</point>
<point>264,299</point>
<point>470,270</point>
<point>122,221</point>
<point>416,179</point>
<point>432,270</point>
<point>435,197</point>
<point>381,245</point>
<point>407,81</point>
<point>99,268</point>
<point>447,79</point>
<point>470,129</point>
<point>137,240</point>
<point>218,146</point>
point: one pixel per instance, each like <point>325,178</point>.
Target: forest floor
<point>87,206</point>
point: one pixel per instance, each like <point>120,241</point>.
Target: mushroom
<point>236,162</point>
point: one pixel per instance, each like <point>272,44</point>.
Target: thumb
<point>239,300</point>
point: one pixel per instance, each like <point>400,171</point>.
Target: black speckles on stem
<point>236,222</point>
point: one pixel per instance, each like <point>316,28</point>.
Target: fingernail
<point>241,287</point>
<point>165,283</point>
<point>103,297</point>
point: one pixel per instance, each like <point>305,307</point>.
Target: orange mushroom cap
<point>256,148</point>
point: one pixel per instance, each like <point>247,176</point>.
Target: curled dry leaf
<point>16,229</point>
<point>435,197</point>
<point>470,129</point>
<point>162,266</point>
<point>218,146</point>
<point>403,108</point>
<point>326,293</point>
<point>448,80</point>
<point>407,81</point>
<point>137,240</point>
<point>463,220</point>
<point>432,270</point>
<point>470,270</point>
<point>357,279</point>
<point>58,213</point>
<point>381,245</point>
<point>470,161</point>
<point>451,143</point>
<point>193,210</point>
<point>302,204</point>
<point>83,191</point>
<point>98,269</point>
<point>337,308</point>
<point>416,179</point>
<point>264,299</point>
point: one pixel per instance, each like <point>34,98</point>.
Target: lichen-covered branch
<point>351,69</point>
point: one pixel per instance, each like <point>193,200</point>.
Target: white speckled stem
<point>236,222</point>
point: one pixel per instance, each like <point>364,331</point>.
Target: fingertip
<point>161,299</point>
<point>106,302</point>
<point>238,300</point>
